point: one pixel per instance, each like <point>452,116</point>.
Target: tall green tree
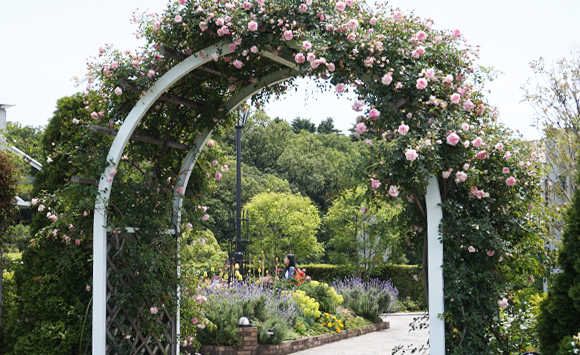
<point>284,223</point>
<point>560,312</point>
<point>326,126</point>
<point>302,124</point>
<point>363,234</point>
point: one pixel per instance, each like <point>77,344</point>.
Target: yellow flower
<point>323,323</point>
<point>330,325</point>
<point>337,330</point>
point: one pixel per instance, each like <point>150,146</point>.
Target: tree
<point>362,233</point>
<point>326,126</point>
<point>29,140</point>
<point>302,124</point>
<point>201,248</point>
<point>561,310</point>
<point>283,223</point>
<point>8,210</point>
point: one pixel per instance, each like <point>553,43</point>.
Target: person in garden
<point>290,269</point>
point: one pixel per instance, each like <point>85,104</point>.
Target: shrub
<point>326,296</point>
<point>273,331</point>
<point>367,299</point>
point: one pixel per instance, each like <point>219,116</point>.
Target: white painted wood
<point>435,267</point>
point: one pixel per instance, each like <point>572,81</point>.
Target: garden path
<point>379,343</point>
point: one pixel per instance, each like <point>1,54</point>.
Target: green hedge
<point>400,275</point>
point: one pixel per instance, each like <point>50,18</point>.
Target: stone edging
<point>250,342</point>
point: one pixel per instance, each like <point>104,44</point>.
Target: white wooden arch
<point>181,69</point>
<point>99,346</point>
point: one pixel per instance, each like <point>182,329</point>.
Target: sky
<point>44,45</point>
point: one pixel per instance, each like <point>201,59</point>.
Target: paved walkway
<point>379,343</point>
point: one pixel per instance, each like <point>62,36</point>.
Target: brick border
<point>250,345</point>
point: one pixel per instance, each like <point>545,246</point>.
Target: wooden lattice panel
<point>124,335</point>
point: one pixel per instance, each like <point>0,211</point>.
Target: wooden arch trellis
<point>104,313</point>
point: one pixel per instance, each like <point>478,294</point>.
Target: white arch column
<point>435,268</point>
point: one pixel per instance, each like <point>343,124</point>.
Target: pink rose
<point>34,201</point>
<point>477,142</point>
<point>254,49</point>
<point>218,175</point>
<point>471,249</point>
<point>352,24</point>
<point>306,45</point>
<point>465,127</point>
<point>387,79</point>
<point>75,121</point>
<point>302,7</point>
<point>375,183</point>
<point>421,36</point>
<point>393,191</point>
<point>153,310</point>
<point>511,181</point>
<point>499,146</point>
<point>247,5</point>
<point>398,85</point>
<point>288,35</point>
<point>415,277</point>
<point>310,57</point>
<point>430,73</point>
<point>118,91</point>
<point>331,67</point>
<point>481,155</point>
<point>351,36</point>
<point>194,320</point>
<point>368,142</point>
<point>505,170</point>
<point>88,288</point>
<point>238,64</point>
<point>360,128</point>
<point>340,6</point>
<point>398,16</point>
<point>189,225</point>
<point>40,208</point>
<point>403,129</point>
<point>363,210</point>
<point>178,19</point>
<point>210,143</point>
<point>373,21</point>
<point>201,326</point>
<point>448,79</point>
<point>452,139</point>
<point>420,50</point>
<point>374,113</point>
<point>411,154</point>
<point>456,33</point>
<point>299,58</point>
<point>468,105</point>
<point>507,155</point>
<point>340,88</point>
<point>77,242</point>
<point>446,174</point>
<point>253,26</point>
<point>455,98</point>
<point>490,253</point>
<point>421,83</point>
<point>460,177</point>
<point>503,303</point>
<point>205,217</point>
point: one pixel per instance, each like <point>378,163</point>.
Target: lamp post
<point>243,112</point>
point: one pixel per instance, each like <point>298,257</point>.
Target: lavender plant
<point>367,299</point>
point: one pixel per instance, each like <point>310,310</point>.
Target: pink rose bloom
<point>466,143</point>
<point>306,45</point>
<point>200,299</point>
<point>455,98</point>
<point>460,177</point>
<point>75,121</point>
<point>490,253</point>
<point>201,326</point>
<point>331,67</point>
<point>393,191</point>
<point>411,198</point>
<point>446,174</point>
<point>151,73</point>
<point>481,155</point>
<point>181,2</point>
<point>288,35</point>
<point>303,8</point>
<point>238,64</point>
<point>511,181</point>
<point>471,249</point>
<point>340,6</point>
<point>310,57</point>
<point>421,83</point>
<point>225,168</point>
<point>210,143</point>
<point>507,156</point>
<point>373,21</point>
<point>88,288</point>
<point>465,127</point>
<point>411,154</point>
<point>403,129</point>
<point>94,115</point>
<point>218,175</point>
<point>77,242</point>
<point>369,62</point>
<point>360,128</point>
<point>113,172</point>
<point>118,91</point>
<point>178,19</point>
<point>114,64</point>
<point>363,210</point>
<point>253,26</point>
<point>415,277</point>
<point>468,105</point>
<point>452,139</point>
<point>456,33</point>
<point>215,162</point>
<point>254,49</point>
<point>351,36</point>
<point>477,142</point>
<point>420,50</point>
<point>180,190</point>
<point>352,24</point>
<point>505,170</point>
<point>34,201</point>
<point>398,85</point>
<point>448,79</point>
<point>503,303</point>
<point>220,22</point>
<point>189,225</point>
<point>53,218</point>
<point>398,15</point>
<point>430,73</point>
<point>40,208</point>
<point>340,88</point>
<point>109,179</point>
<point>499,146</point>
<point>232,46</point>
<point>329,28</point>
<point>299,58</point>
<point>387,79</point>
<point>194,320</point>
<point>374,113</point>
<point>247,5</point>
<point>421,36</point>
<point>375,183</point>
<point>368,142</point>
<point>153,310</point>
<point>201,241</point>
<point>205,217</point>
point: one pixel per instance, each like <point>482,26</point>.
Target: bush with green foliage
<point>324,294</point>
<point>201,248</point>
<point>560,312</point>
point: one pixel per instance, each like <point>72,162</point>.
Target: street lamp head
<point>243,113</point>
